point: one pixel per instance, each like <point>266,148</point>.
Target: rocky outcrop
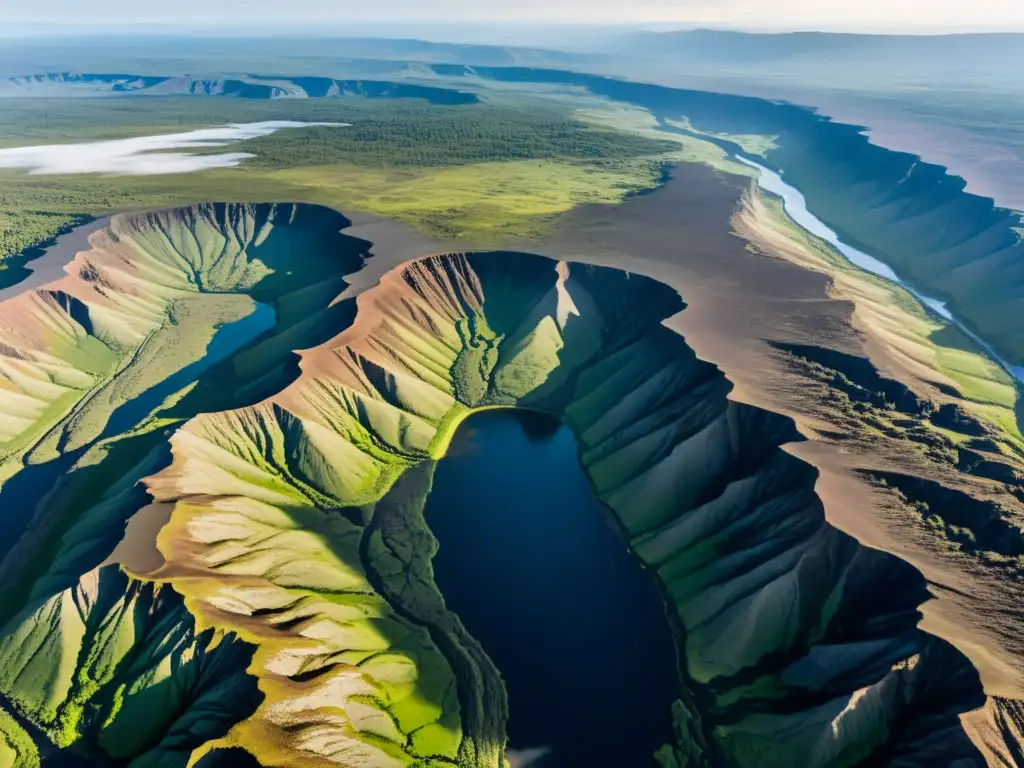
<point>918,218</point>
<point>801,646</point>
<point>296,562</point>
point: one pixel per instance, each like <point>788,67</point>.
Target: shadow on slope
<point>913,215</point>
<point>801,646</point>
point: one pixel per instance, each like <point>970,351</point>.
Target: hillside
<point>912,215</point>
<point>293,508</point>
<point>55,84</point>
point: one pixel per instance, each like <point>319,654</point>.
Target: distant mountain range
<point>249,87</point>
<point>727,45</point>
<point>831,59</point>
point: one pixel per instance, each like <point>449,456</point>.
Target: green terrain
<point>481,171</point>
<point>215,453</point>
<point>296,527</point>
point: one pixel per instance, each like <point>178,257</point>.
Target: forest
<point>382,135</point>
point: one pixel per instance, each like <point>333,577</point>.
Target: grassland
<point>427,165</point>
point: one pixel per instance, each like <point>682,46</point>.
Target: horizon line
<point>310,29</point>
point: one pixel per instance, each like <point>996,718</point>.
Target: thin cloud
<point>526,758</point>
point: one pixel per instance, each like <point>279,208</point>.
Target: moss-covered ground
<point>296,601</point>
<point>296,598</point>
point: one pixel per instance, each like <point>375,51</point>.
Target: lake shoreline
<point>45,262</point>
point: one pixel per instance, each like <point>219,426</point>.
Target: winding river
<point>226,340</point>
<point>796,206</point>
<point>20,494</point>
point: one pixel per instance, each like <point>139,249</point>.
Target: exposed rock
<point>297,544</point>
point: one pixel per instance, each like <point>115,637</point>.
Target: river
<point>796,207</point>
<point>538,575</point>
<point>20,494</point>
<point>226,340</point>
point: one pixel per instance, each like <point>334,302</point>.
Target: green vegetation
<point>490,339</point>
<point>21,229</point>
<point>17,749</point>
<point>402,135</point>
<point>484,203</point>
<point>938,350</point>
<point>295,501</point>
<point>688,149</point>
<point>913,215</point>
<point>62,120</point>
<point>296,504</point>
<point>755,144</point>
<point>483,171</point>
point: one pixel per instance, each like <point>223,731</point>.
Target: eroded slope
<point>798,648</point>
<point>96,369</point>
<point>296,540</point>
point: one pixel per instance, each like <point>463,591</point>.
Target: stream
<point>796,206</point>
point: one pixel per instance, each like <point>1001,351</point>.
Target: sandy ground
<point>682,235</point>
<point>137,551</point>
<point>393,244</point>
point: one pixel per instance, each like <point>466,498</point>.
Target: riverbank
<point>796,208</point>
<point>45,262</point>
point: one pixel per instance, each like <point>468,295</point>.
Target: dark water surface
<point>20,495</point>
<point>227,340</point>
<point>40,265</point>
<point>530,562</point>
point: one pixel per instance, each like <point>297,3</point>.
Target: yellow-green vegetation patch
<point>752,143</point>
<point>17,749</point>
<point>931,347</point>
<point>296,530</point>
<point>430,165</point>
<point>21,229</point>
<point>639,121</point>
<point>485,201</point>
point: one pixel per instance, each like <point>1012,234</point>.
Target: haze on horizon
<point>843,15</point>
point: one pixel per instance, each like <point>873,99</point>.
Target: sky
<point>864,15</point>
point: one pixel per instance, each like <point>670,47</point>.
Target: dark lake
<point>533,567</point>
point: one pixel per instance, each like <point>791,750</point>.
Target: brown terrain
<point>752,310</point>
<point>745,296</point>
<point>690,234</point>
<point>740,305</point>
